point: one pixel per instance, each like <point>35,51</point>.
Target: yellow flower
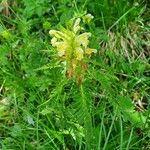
<point>76,26</point>
<point>61,48</point>
<point>58,34</point>
<point>82,39</point>
<point>79,53</point>
<point>61,52</point>
<point>54,41</point>
<point>72,47</point>
<point>89,51</point>
<point>87,18</point>
<point>70,43</point>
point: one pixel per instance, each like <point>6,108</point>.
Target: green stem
<point>87,119</point>
<point>75,3</point>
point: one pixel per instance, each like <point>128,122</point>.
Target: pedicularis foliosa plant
<point>72,47</point>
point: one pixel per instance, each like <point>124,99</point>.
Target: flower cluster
<point>72,46</point>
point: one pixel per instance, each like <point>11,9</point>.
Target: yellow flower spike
<point>73,48</point>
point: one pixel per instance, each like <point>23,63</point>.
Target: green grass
<point>40,108</point>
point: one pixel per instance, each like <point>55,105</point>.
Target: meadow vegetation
<point>74,75</point>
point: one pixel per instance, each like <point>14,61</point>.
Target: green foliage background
<point>41,109</point>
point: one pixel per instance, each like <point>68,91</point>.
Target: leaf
<point>16,131</point>
<point>47,111</point>
<point>136,118</point>
<point>127,108</point>
<point>125,104</point>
